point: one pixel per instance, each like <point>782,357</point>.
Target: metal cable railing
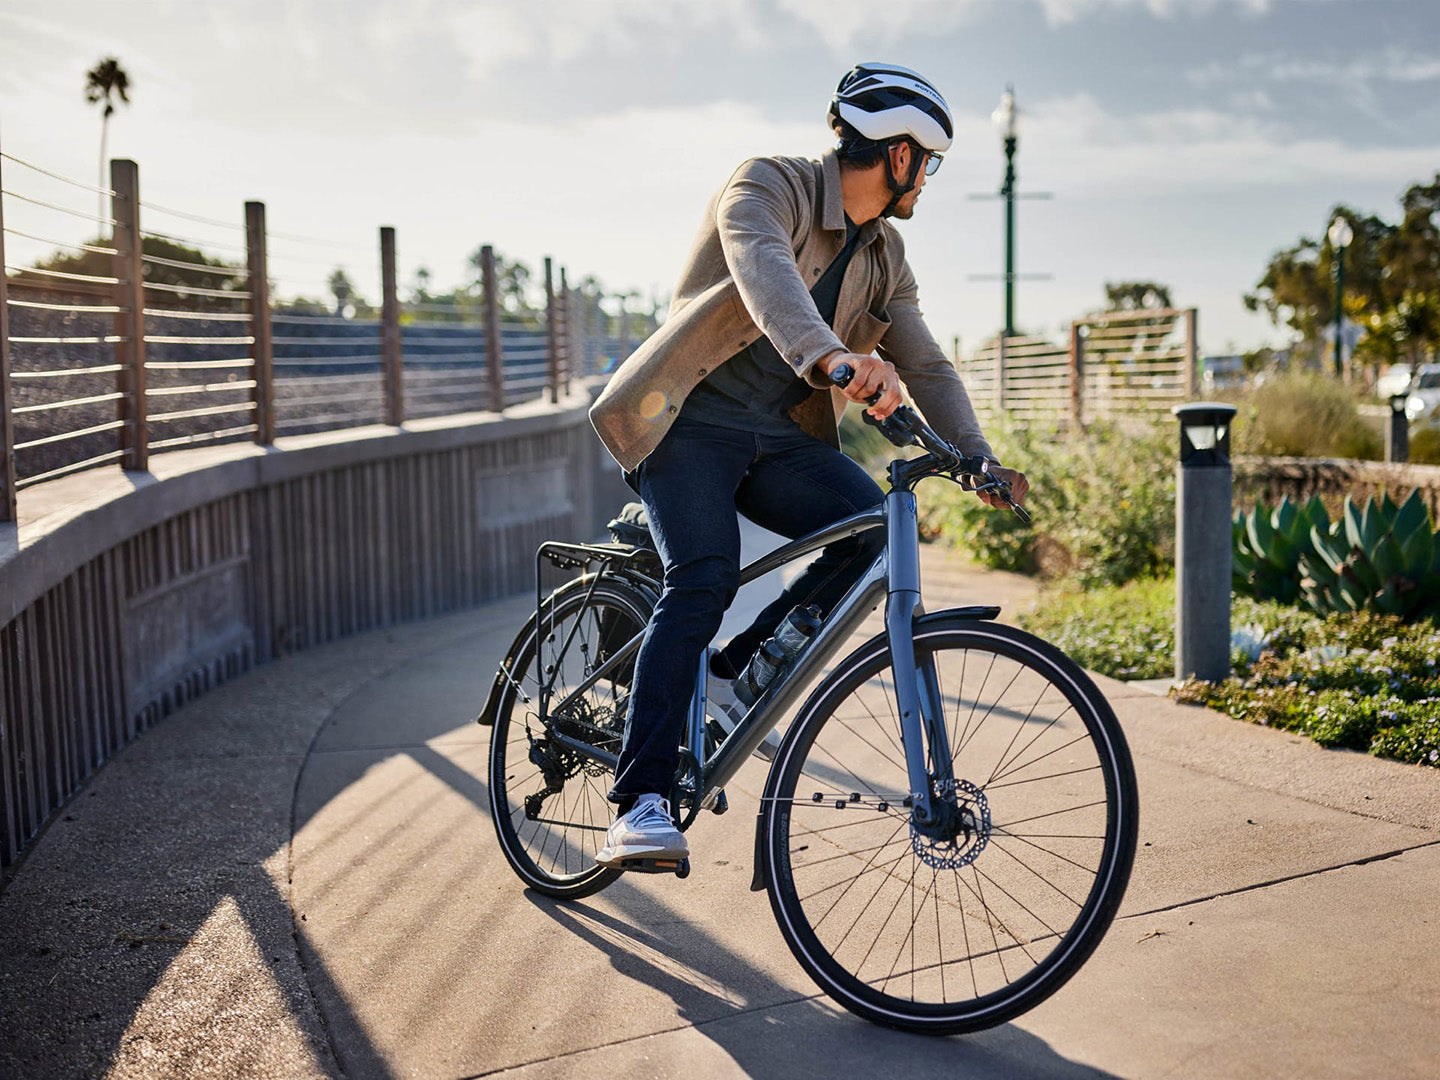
<point>134,339</point>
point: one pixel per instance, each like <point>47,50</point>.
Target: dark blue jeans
<point>692,485</point>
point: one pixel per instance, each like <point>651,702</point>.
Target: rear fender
<point>502,682</point>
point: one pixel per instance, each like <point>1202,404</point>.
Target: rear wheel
<point>965,929</point>
<point>548,802</point>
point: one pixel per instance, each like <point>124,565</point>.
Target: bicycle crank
<point>679,867</point>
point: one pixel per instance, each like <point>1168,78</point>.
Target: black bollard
<point>1202,541</point>
<point>1397,435</point>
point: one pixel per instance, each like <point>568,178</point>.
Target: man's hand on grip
<point>872,376</point>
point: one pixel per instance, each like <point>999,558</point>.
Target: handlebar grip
<point>841,376</point>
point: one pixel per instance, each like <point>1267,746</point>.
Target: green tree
<point>512,278</point>
<point>1136,295</point>
<point>1392,284</point>
<point>342,288</point>
<point>202,272</point>
<point>1407,327</point>
<point>102,82</point>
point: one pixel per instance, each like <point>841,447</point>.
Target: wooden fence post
<point>552,334</point>
<point>391,354</point>
<point>1192,374</point>
<point>257,261</point>
<point>1000,372</point>
<point>130,320</point>
<point>567,332</point>
<point>1077,375</point>
<point>494,359</point>
<point>7,420</point>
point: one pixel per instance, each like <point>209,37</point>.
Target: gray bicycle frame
<point>895,575</point>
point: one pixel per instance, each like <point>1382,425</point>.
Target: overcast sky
<point>1184,141</point>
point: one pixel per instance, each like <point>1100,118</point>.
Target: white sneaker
<point>727,710</point>
<point>647,831</point>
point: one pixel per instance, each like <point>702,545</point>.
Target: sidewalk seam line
<point>696,1026</point>
<point>1216,775</point>
<point>1383,856</point>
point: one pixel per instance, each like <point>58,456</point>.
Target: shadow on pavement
<point>792,1036</point>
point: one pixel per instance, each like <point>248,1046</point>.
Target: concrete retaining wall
<point>122,596</point>
<point>1266,479</point>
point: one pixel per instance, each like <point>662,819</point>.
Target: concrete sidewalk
<point>296,876</point>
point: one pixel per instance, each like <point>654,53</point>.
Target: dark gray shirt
<point>755,389</point>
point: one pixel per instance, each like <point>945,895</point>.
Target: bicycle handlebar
<point>904,427</point>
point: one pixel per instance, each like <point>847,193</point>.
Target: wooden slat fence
<point>1120,364</point>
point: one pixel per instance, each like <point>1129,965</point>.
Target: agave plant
<point>1384,558</point>
<point>1268,546</point>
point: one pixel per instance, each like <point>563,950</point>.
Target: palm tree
<point>101,81</point>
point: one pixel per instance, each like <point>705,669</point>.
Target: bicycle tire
<point>987,938</point>
<point>551,844</point>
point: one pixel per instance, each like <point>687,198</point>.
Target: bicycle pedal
<point>679,867</point>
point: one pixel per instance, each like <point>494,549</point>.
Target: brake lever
<point>903,427</point>
<point>1001,488</point>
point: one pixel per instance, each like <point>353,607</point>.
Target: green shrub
<point>1303,416</point>
<point>1126,632</point>
<point>1385,558</point>
<point>1267,546</point>
<point>1425,446</point>
<point>1103,500</point>
<point>1363,681</point>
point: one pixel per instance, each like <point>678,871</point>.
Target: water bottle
<point>792,635</point>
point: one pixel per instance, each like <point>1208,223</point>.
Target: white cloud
<point>1076,143</point>
<point>1391,65</point>
<point>497,32</point>
<point>1060,12</point>
<point>847,24</point>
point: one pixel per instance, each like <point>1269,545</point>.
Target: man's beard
<point>905,208</point>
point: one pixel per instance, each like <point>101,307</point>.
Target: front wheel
<point>967,929</point>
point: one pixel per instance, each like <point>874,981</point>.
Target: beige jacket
<point>767,236</point>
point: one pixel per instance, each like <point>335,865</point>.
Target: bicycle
<point>949,824</point>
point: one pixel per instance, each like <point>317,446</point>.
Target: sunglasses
<point>932,159</point>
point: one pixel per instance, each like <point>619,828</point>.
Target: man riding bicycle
<point>729,406</point>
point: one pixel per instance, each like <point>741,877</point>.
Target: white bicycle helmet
<point>886,101</point>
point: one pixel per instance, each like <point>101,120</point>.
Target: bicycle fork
<point>917,689</point>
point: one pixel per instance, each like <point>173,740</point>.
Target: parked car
<point>1424,396</point>
<point>1396,380</point>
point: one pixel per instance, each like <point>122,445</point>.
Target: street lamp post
<point>1340,235</point>
<point>1005,119</point>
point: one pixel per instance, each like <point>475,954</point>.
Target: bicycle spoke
<point>883,915</point>
<point>1018,768</point>
<point>869,863</point>
<point>1042,877</point>
<point>1049,776</point>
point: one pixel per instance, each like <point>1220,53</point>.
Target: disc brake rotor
<point>969,836</point>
